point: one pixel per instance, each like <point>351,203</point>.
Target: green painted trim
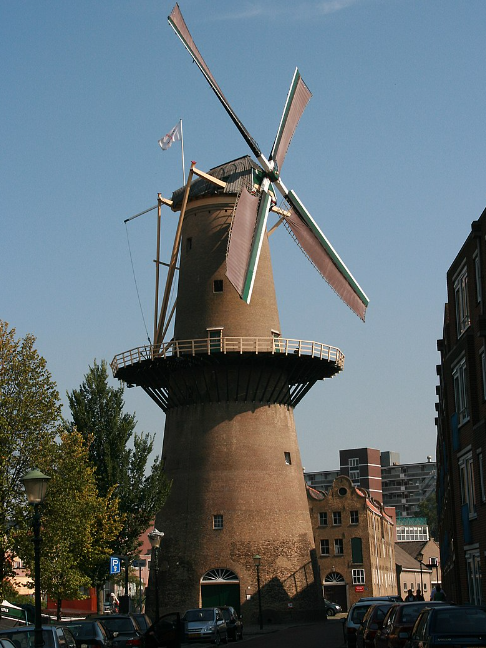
<point>256,246</point>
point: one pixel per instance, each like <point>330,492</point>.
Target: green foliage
<point>78,525</point>
<point>97,411</point>
<point>428,509</point>
<point>29,414</point>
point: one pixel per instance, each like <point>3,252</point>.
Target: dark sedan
<point>455,626</point>
<point>234,624</point>
<point>122,629</point>
<point>372,620</point>
<point>399,622</point>
<point>89,633</point>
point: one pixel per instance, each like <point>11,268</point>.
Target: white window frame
<point>461,301</point>
<point>338,514</point>
<point>351,517</point>
<point>459,379</point>
<point>481,474</point>
<point>477,273</point>
<point>354,476</point>
<point>323,518</point>
<point>473,564</point>
<point>466,479</point>
<point>352,463</point>
<point>358,576</point>
<point>338,544</point>
<point>321,547</point>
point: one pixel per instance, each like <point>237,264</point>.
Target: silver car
<point>205,624</point>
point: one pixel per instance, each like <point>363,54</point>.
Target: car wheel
<point>330,612</point>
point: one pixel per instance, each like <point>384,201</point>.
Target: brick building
<point>461,423</point>
<point>355,542</point>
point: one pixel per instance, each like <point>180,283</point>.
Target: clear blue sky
<point>389,158</point>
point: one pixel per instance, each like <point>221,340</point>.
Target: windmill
<point>250,218</point>
<point>228,381</point>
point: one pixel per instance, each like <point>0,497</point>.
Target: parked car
<point>122,629</point>
<point>167,632</point>
<point>6,643</point>
<point>398,623</point>
<point>205,624</point>
<point>332,608</point>
<point>89,633</point>
<point>54,636</point>
<point>234,623</point>
<point>353,621</point>
<point>449,625</point>
<point>143,620</point>
<point>394,598</point>
<point>372,620</point>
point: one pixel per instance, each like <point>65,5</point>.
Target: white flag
<point>174,135</point>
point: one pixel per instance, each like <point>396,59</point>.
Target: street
<point>327,634</point>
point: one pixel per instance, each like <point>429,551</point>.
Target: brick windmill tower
<point>228,381</point>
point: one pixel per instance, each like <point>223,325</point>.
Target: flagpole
<point>182,149</point>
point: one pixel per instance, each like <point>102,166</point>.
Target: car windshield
<point>84,630</point>
<point>409,613</point>
<point>25,638</point>
<point>199,615</point>
<point>358,613</point>
<point>125,626</point>
<point>459,620</point>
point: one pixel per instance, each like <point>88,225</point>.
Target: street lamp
<point>155,537</point>
<point>420,557</point>
<point>257,560</point>
<point>35,484</point>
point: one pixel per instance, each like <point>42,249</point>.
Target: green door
<point>221,594</point>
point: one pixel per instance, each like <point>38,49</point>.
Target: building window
<point>466,474</point>
<point>338,547</point>
<point>425,587</point>
<point>477,272</point>
<point>354,517</point>
<point>322,519</point>
<point>459,377</point>
<point>356,550</point>
<point>482,359</point>
<point>358,576</point>
<point>288,458</point>
<point>218,285</point>
<point>354,477</point>
<point>217,521</point>
<point>462,306</point>
<point>481,476</point>
<point>352,463</point>
<point>405,587</point>
<point>188,244</point>
<point>324,547</point>
<point>336,517</point>
<point>473,563</point>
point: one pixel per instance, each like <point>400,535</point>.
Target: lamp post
<point>155,537</point>
<point>257,560</point>
<point>420,557</point>
<point>35,484</point>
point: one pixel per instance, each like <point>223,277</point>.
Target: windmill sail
<point>324,257</point>
<point>240,239</point>
<point>297,99</point>
<point>179,26</point>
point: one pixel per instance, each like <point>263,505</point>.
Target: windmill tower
<point>228,381</point>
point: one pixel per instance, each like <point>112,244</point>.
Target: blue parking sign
<point>115,565</point>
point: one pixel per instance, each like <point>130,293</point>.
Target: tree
<point>29,414</point>
<point>78,525</point>
<point>97,412</point>
<point>428,509</point>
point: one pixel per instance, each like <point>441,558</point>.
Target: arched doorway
<point>335,589</point>
<point>220,586</point>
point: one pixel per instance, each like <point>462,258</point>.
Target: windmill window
<point>218,286</point>
<point>188,243</point>
<point>217,521</point>
<point>288,458</point>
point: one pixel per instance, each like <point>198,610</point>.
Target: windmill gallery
<point>228,381</point>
